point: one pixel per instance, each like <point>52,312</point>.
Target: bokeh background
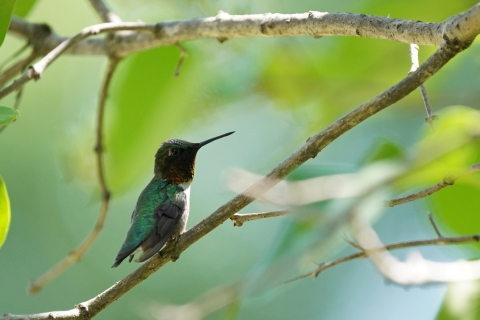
<point>274,93</point>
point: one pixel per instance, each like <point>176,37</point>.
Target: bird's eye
<point>174,151</point>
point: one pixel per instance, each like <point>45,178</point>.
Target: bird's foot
<point>171,248</point>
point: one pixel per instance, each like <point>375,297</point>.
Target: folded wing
<point>167,215</point>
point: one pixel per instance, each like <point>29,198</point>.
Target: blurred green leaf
<point>382,150</point>
<point>296,235</point>
<point>22,7</point>
<point>231,311</point>
<point>6,8</point>
<point>449,148</point>
<point>8,115</point>
<point>150,106</point>
<point>461,302</point>
<point>457,207</point>
<point>4,212</point>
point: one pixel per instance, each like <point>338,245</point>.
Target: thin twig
<point>352,243</point>
<point>19,95</point>
<point>395,246</point>
<point>13,56</point>
<point>17,67</point>
<point>447,181</point>
<point>430,119</point>
<point>75,313</point>
<point>434,225</point>
<point>34,72</point>
<point>104,12</point>
<point>413,51</point>
<point>183,56</point>
<point>239,219</point>
<point>415,270</point>
<point>76,254</point>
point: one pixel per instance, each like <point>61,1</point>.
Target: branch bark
<point>104,12</point>
<point>240,219</point>
<point>224,26</point>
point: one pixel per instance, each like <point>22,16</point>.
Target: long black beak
<point>201,144</point>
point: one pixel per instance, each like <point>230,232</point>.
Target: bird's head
<point>175,159</point>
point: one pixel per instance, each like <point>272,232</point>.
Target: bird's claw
<point>171,247</point>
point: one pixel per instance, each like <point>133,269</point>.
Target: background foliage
<point>273,93</point>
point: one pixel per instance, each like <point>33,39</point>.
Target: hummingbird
<point>162,208</point>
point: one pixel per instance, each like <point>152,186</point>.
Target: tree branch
<point>415,270</point>
<point>76,254</point>
<point>183,56</point>
<point>16,68</point>
<point>240,219</point>
<point>104,12</point>
<point>401,245</point>
<point>224,26</point>
<point>430,119</point>
<point>447,181</point>
<point>434,225</point>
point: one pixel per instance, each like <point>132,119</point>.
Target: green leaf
<point>4,212</point>
<point>452,146</point>
<point>456,207</point>
<point>7,115</point>
<point>22,7</point>
<point>461,301</point>
<point>6,8</point>
<point>296,235</point>
<point>150,106</point>
<point>232,310</point>
<point>382,150</point>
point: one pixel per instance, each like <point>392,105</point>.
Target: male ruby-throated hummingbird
<point>162,209</point>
